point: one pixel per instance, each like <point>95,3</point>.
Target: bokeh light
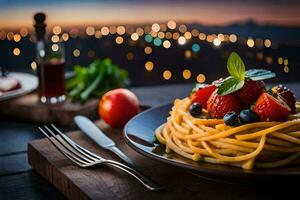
<point>201,78</point>
<point>280,60</point>
<point>55,38</point>
<point>187,35</point>
<point>182,28</point>
<point>202,36</point>
<point>148,50</point>
<point>16,51</point>
<point>166,44</point>
<point>56,30</point>
<point>167,74</point>
<point>65,37</point>
<point>17,37</point>
<point>90,30</point>
<point>149,66</point>
<point>134,36</point>
<point>232,38</point>
<point>171,24</point>
<point>121,30</point>
<point>217,42</point>
<point>155,27</point>
<point>267,43</point>
<point>181,40</point>
<point>105,30</point>
<point>119,40</point>
<point>130,56</point>
<point>157,42</point>
<point>54,47</point>
<point>76,53</point>
<point>250,42</point>
<point>195,47</point>
<point>148,38</point>
<point>186,74</point>
<point>33,65</point>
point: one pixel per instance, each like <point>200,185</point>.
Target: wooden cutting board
<point>28,108</point>
<point>110,183</point>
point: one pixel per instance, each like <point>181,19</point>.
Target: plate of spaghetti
<point>233,126</point>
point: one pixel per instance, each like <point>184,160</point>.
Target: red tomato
<point>117,106</point>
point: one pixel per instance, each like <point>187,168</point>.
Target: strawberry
<point>288,96</point>
<point>218,106</point>
<point>250,92</point>
<point>268,108</point>
<point>201,95</point>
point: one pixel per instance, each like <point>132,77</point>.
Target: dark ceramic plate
<point>139,134</point>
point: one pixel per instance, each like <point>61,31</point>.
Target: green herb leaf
<point>236,66</point>
<point>230,85</point>
<point>259,74</point>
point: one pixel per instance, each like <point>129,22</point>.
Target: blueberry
<point>231,118</point>
<point>195,109</point>
<point>248,116</point>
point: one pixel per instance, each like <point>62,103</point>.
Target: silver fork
<point>86,159</point>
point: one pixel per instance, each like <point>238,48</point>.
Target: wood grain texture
<point>28,108</point>
<point>110,183</point>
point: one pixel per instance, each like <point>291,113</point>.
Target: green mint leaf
<point>230,85</point>
<point>236,66</point>
<point>259,74</point>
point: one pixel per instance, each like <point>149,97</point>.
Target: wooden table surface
<point>19,181</point>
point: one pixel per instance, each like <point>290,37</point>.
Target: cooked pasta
<point>260,144</point>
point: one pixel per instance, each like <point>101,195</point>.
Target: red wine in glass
<point>51,81</point>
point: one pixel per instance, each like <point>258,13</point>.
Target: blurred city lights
<point>56,30</point>
<point>250,42</point>
<point>187,35</point>
<point>267,43</point>
<point>155,27</point>
<point>98,34</point>
<point>140,31</point>
<point>54,38</point>
<point>195,47</point>
<point>163,27</point>
<point>286,69</point>
<point>112,30</point>
<point>148,50</point>
<point>76,53</point>
<point>217,42</point>
<point>186,74</point>
<point>188,54</point>
<point>181,40</point>
<point>168,35</point>
<point>182,28</point>
<point>221,37</point>
<point>280,60</point>
<point>130,56</point>
<point>54,47</point>
<point>171,24</point>
<point>210,38</point>
<point>17,37</point>
<point>121,30</point>
<point>167,74</point>
<point>2,35</point>
<point>33,65</point>
<point>65,37</point>
<point>149,66</point>
<point>90,30</point>
<point>201,78</point>
<point>176,35</point>
<point>24,32</point>
<point>195,32</point>
<point>10,35</point>
<point>232,38</point>
<point>166,44</point>
<point>16,51</point>
<point>148,38</point>
<point>157,42</point>
<point>260,56</point>
<point>161,35</point>
<point>202,36</point>
<point>134,36</point>
<point>285,61</point>
<point>119,40</point>
<point>105,30</point>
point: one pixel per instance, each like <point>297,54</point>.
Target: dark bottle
<point>50,64</point>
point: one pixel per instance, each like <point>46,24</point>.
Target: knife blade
<point>95,134</point>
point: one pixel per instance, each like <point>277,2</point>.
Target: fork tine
<point>62,149</point>
<point>68,147</point>
<point>79,148</point>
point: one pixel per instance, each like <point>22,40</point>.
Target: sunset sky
<point>66,12</point>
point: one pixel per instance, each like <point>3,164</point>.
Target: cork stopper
<point>40,25</point>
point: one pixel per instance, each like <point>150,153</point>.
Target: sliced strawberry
<point>201,95</point>
<point>268,108</point>
<point>288,96</point>
<point>218,106</point>
<point>250,92</point>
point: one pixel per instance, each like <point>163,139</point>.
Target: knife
<point>95,134</point>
